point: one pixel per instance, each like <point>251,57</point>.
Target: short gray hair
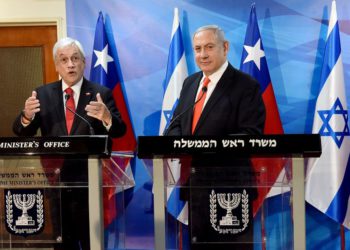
<point>67,41</point>
<point>216,29</point>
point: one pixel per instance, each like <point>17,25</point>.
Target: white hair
<point>67,41</point>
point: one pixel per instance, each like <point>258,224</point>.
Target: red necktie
<point>199,106</point>
<point>71,105</point>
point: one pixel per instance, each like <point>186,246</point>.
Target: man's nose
<point>203,53</point>
<point>70,63</point>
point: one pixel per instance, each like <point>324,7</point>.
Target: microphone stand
<point>165,133</point>
<point>92,131</point>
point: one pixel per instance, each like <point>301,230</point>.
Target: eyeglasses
<point>73,59</point>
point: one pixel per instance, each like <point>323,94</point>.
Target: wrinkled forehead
<point>205,37</point>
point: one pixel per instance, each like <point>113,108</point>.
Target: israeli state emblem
<point>233,210</point>
<point>24,211</point>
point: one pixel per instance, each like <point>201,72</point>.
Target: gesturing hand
<point>98,110</point>
<point>31,106</point>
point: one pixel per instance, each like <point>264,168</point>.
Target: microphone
<point>92,131</point>
<point>204,89</point>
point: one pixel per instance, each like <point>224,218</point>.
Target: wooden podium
<point>296,147</point>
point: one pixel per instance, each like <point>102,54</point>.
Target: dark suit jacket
<point>51,118</point>
<point>235,106</point>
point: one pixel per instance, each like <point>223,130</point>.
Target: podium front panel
<point>31,207</point>
<point>214,203</point>
<point>41,194</point>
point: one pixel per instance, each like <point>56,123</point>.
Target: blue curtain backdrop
<point>293,32</point>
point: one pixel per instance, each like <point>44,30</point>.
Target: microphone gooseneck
<point>92,131</point>
<point>204,89</point>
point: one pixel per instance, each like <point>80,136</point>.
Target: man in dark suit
<point>219,100</point>
<point>233,102</point>
<point>46,109</point>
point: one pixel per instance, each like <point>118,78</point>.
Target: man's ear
<point>226,47</point>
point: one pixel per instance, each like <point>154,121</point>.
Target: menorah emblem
<point>24,204</point>
<point>229,201</point>
<point>229,204</point>
<point>24,211</point>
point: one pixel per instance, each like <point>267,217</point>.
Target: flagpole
<point>180,235</point>
<point>342,237</point>
<point>263,233</point>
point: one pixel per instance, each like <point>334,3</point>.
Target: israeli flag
<point>175,76</point>
<point>327,179</point>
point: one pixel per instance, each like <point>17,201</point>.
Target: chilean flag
<point>105,70</point>
<point>254,63</point>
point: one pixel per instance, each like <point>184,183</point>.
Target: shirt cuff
<point>108,127</point>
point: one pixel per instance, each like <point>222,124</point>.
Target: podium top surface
<point>97,145</point>
<point>288,145</point>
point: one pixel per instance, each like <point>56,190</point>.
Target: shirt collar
<point>76,87</point>
<point>215,77</point>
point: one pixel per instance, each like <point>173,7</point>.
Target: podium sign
<point>231,146</point>
<point>97,145</point>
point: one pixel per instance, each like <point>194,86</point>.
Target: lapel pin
<point>87,93</point>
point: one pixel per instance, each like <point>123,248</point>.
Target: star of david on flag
<point>327,178</point>
<point>327,127</point>
<point>254,63</point>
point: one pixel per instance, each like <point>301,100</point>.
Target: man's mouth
<point>205,63</point>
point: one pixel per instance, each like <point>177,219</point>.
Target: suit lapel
<point>86,94</point>
<point>218,92</point>
<point>57,97</point>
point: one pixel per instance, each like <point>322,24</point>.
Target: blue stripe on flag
<point>176,51</point>
<point>174,204</point>
<point>331,54</point>
<point>339,206</point>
